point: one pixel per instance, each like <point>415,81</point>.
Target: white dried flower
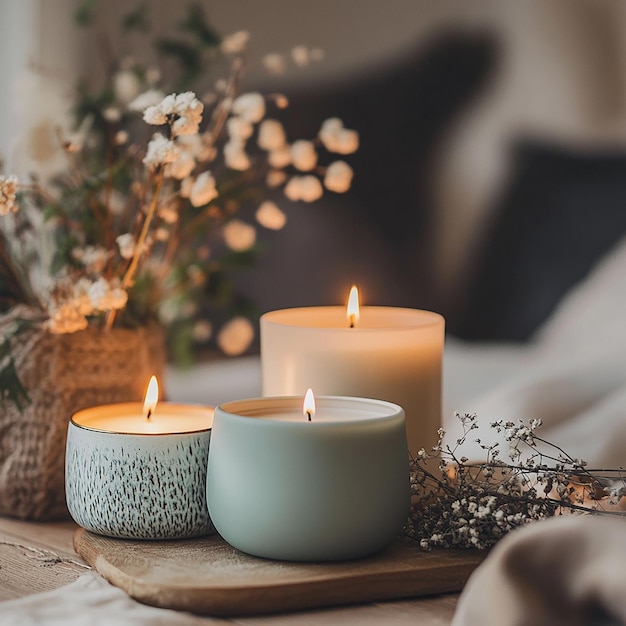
<point>300,55</point>
<point>203,190</point>
<point>94,258</point>
<point>275,178</point>
<point>66,318</point>
<point>107,296</point>
<point>168,214</point>
<point>153,75</point>
<point>338,177</point>
<point>235,43</point>
<point>271,135</point>
<point>282,102</point>
<point>235,156</point>
<point>149,98</point>
<point>161,234</point>
<point>160,151</point>
<point>303,155</point>
<point>338,139</point>
<point>249,106</point>
<point>279,158</point>
<point>196,275</point>
<point>238,235</point>
<point>270,216</point>
<point>112,114</point>
<point>274,63</point>
<point>126,86</point>
<point>202,330</point>
<point>184,109</point>
<point>121,137</point>
<point>126,244</point>
<point>8,191</point>
<point>235,336</point>
<point>305,188</point>
<point>186,186</point>
<point>182,166</point>
<point>238,128</point>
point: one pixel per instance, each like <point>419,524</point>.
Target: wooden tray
<point>209,577</point>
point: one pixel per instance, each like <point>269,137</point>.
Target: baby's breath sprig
<point>465,504</point>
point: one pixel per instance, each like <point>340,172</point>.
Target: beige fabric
<point>63,374</point>
<point>567,571</point>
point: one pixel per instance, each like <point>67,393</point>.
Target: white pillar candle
<point>127,475</point>
<point>283,487</point>
<point>392,354</point>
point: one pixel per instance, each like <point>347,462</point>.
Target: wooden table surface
<point>37,557</point>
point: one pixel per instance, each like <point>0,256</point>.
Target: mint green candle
<point>282,487</point>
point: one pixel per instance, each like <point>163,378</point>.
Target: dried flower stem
<point>129,276</point>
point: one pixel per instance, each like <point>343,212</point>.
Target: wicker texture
<point>63,374</point>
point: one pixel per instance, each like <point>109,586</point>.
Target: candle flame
<point>308,406</point>
<point>352,310</point>
<point>152,397</point>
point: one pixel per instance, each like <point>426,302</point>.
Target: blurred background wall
<point>491,173</point>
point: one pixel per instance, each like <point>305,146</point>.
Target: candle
<point>334,487</point>
<point>138,471</point>
<point>390,353</point>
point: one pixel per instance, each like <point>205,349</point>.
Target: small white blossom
<point>66,318</point>
<point>160,151</point>
<point>161,234</point>
<point>203,190</point>
<point>238,128</point>
<point>202,330</point>
<point>338,139</point>
<point>271,135</point>
<point>249,106</point>
<point>338,177</point>
<point>153,75</point>
<point>300,55</point>
<point>303,155</point>
<point>275,178</point>
<point>94,258</point>
<point>168,214</point>
<point>279,158</point>
<point>186,186</point>
<point>238,235</point>
<point>126,244</point>
<point>182,166</point>
<point>184,108</point>
<point>8,191</point>
<point>112,114</point>
<point>150,98</point>
<point>274,63</point>
<point>121,137</point>
<point>107,296</point>
<point>305,188</point>
<point>236,336</point>
<point>235,43</point>
<point>270,216</point>
<point>126,86</point>
<point>235,156</point>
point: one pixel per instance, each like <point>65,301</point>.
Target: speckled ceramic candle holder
<point>137,486</point>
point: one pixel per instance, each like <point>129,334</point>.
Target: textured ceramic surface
<point>294,490</point>
<point>138,486</point>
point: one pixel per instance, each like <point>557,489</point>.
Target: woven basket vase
<point>63,374</point>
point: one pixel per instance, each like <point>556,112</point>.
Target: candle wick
<point>308,414</point>
<point>351,320</point>
<point>149,414</point>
